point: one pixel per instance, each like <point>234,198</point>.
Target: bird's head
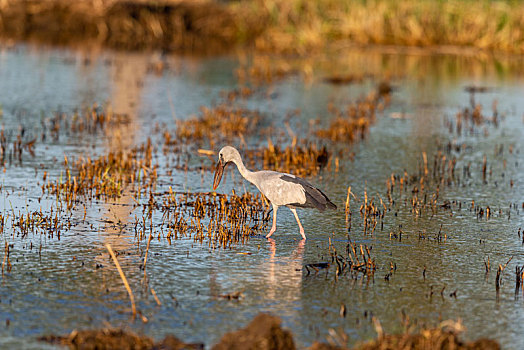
<point>226,155</point>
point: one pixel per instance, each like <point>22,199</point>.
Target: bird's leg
<point>298,222</point>
<point>274,226</point>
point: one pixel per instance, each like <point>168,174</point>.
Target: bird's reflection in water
<point>273,284</point>
<point>284,273</point>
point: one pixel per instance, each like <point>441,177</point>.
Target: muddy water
<point>56,284</point>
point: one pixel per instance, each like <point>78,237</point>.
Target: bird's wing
<point>315,198</point>
<point>278,190</point>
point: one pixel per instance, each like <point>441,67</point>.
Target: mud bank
<point>265,332</point>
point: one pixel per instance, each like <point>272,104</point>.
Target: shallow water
<point>57,285</point>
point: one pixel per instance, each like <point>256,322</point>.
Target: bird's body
<point>280,189</point>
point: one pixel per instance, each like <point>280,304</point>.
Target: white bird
<point>279,188</point>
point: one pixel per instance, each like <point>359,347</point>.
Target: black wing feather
<point>315,198</point>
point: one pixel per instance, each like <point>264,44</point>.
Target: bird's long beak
<point>218,174</point>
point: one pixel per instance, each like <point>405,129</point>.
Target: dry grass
<point>270,25</point>
<point>494,25</point>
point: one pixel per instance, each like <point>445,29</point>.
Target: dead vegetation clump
<point>12,148</point>
<point>219,219</point>
<point>105,176</point>
<point>85,121</point>
<point>264,332</point>
<point>302,160</point>
<point>353,123</point>
<point>446,336</point>
<point>468,120</point>
<point>221,123</point>
<point>37,223</point>
<point>116,339</point>
<point>354,262</point>
<point>265,70</point>
<point>95,120</point>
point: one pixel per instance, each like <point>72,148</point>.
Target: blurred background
<point>296,26</point>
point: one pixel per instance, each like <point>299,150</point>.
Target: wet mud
<point>265,332</point>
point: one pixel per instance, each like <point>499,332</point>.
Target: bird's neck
<point>246,174</point>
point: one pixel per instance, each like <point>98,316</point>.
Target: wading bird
<point>279,188</point>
